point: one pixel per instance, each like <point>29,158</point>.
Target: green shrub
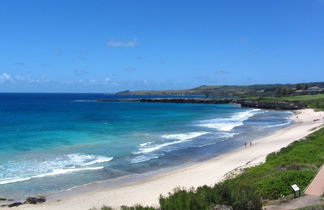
<point>276,186</point>
<point>295,164</point>
<point>240,197</point>
<point>137,207</point>
<point>183,199</point>
<point>106,208</point>
<point>245,197</point>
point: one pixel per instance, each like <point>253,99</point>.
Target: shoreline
<point>147,190</point>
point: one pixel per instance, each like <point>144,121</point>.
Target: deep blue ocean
<point>53,142</point>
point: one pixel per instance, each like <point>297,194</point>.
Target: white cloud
<point>20,78</point>
<point>4,77</point>
<point>44,78</point>
<point>87,82</point>
<point>129,43</point>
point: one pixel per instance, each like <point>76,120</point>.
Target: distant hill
<point>240,90</point>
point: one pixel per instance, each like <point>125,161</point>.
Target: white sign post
<point>296,190</point>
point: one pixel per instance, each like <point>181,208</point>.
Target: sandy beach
<point>147,191</point>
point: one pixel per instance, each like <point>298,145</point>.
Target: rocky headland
<point>249,103</point>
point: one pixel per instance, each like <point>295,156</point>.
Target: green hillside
<point>263,90</point>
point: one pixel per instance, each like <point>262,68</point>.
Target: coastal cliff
<point>274,105</point>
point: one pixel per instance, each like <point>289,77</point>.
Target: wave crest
<point>227,124</point>
<point>18,171</point>
<point>182,137</point>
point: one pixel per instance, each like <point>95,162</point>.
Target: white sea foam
<point>143,158</point>
<point>86,160</point>
<point>228,135</point>
<point>98,160</point>
<point>67,170</point>
<point>145,144</point>
<point>227,124</point>
<point>53,173</point>
<point>15,171</point>
<point>279,125</point>
<point>182,137</point>
<point>12,180</point>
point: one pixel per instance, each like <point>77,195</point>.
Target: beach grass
<point>312,101</point>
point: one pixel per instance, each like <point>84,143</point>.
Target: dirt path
<point>304,201</point>
<point>316,188</point>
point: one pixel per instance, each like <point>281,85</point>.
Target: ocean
<point>54,142</point>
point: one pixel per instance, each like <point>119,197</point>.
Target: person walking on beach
<point>245,144</point>
<point>251,144</point>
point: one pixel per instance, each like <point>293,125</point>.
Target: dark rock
<point>35,200</point>
<point>275,105</point>
<point>10,199</point>
<point>3,199</point>
<point>222,207</point>
<point>15,204</point>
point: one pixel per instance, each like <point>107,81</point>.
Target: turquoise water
<point>53,142</point>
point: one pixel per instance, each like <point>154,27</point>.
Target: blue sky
<point>113,45</point>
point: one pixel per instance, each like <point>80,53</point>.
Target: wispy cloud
<point>82,54</point>
<point>129,68</point>
<point>79,72</point>
<point>4,77</point>
<point>19,63</point>
<point>118,43</point>
<point>221,72</point>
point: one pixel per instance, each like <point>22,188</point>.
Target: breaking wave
<point>280,124</point>
<point>227,124</point>
<point>15,171</point>
<point>145,151</point>
<point>179,138</point>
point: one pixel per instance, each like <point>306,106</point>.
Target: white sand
<point>147,192</point>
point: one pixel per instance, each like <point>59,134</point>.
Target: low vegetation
<point>311,94</point>
<point>313,101</point>
<point>295,164</point>
<point>266,90</point>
